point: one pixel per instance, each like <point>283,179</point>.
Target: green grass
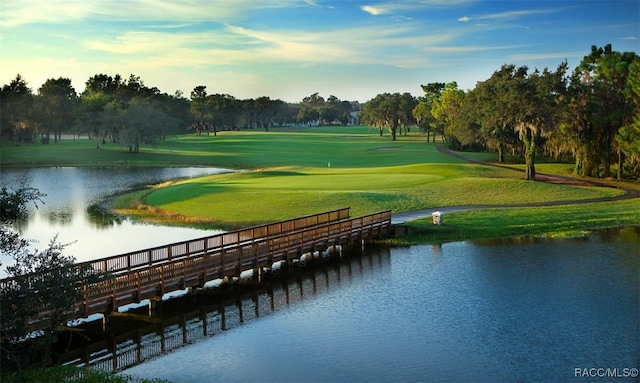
<point>309,147</point>
<point>250,198</point>
<point>550,221</point>
<point>287,174</point>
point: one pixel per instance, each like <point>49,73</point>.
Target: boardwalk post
<point>85,302</point>
<point>223,317</point>
<point>137,287</point>
<point>161,280</point>
<point>113,296</point>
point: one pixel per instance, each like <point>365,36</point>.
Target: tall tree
<point>177,107</point>
<point>407,104</point>
<point>200,109</point>
<point>56,105</point>
<point>141,121</point>
<point>384,112</point>
<point>102,83</point>
<point>16,110</point>
<point>628,136</point>
<point>422,111</point>
<point>90,116</point>
<point>99,91</point>
<point>528,102</point>
<point>446,108</point>
<point>600,108</point>
<point>310,108</point>
<point>264,112</point>
<point>481,123</point>
<point>223,110</point>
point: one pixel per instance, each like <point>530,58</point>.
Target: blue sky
<point>289,49</point>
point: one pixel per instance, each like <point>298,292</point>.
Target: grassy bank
<point>554,221</point>
<point>294,172</point>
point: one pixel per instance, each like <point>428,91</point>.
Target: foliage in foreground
<point>40,281</point>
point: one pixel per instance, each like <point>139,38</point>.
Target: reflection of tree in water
<point>62,217</point>
<point>103,218</point>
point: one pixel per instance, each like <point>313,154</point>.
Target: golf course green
<point>290,172</point>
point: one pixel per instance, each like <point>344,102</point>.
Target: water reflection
<point>459,312</point>
<point>184,320</point>
<point>70,191</point>
<point>73,212</point>
<point>630,234</point>
<point>103,218</point>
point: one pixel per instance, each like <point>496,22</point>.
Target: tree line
<point>590,116</point>
<point>126,111</point>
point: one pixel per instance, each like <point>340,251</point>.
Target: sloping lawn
<point>274,194</point>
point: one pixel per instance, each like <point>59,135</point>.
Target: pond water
<point>512,310</point>
<point>71,209</point>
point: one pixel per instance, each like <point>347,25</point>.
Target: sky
<point>290,49</point>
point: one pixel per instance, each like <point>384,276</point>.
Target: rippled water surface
<point>511,311</point>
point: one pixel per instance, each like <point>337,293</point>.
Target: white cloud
<point>409,5</point>
<point>16,13</point>
<point>464,19</point>
<point>516,14</point>
<point>376,11</point>
<point>399,45</point>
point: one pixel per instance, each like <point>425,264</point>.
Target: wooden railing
<point>162,254</point>
<point>151,273</point>
<point>127,348</point>
<point>222,261</point>
<point>141,259</point>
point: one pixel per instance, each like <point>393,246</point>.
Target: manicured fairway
<point>308,147</point>
<point>292,172</point>
<point>248,198</point>
<point>312,170</point>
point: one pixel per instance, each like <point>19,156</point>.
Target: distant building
<point>353,118</point>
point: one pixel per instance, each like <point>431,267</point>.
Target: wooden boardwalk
<point>151,273</point>
<point>212,315</point>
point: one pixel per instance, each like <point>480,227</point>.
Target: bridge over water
<point>185,320</point>
<point>152,273</point>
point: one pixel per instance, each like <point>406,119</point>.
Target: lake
<point>509,310</point>
<point>71,209</point>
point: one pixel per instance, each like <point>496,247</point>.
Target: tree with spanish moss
<point>529,103</point>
